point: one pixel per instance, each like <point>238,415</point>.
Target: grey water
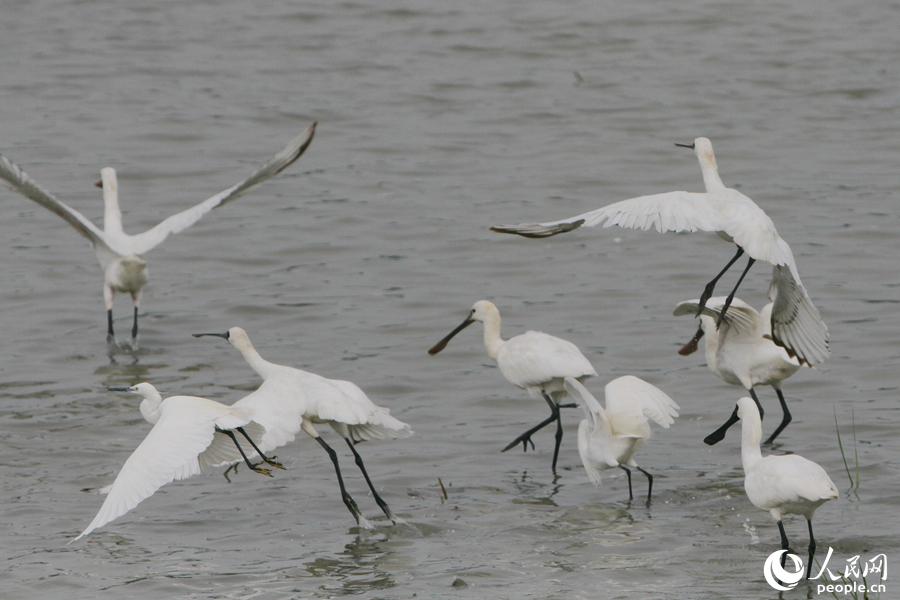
<point>437,120</point>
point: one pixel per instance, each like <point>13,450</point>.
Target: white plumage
<point>120,253</point>
<point>290,400</point>
<point>533,361</point>
<point>796,323</point>
<point>188,436</point>
<point>609,437</point>
<point>781,485</point>
<point>741,351</point>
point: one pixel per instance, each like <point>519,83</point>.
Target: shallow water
<point>436,121</point>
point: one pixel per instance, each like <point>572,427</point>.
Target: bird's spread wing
<point>345,404</point>
<point>278,408</point>
<point>796,324</point>
<point>741,317</point>
<point>144,242</point>
<point>596,415</point>
<point>168,452</point>
<point>670,211</point>
<point>19,181</point>
<point>629,399</point>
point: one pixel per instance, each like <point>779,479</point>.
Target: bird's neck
<point>112,216</point>
<point>751,434</point>
<point>150,409</point>
<point>711,178</point>
<point>262,367</point>
<point>712,340</point>
<point>492,340</point>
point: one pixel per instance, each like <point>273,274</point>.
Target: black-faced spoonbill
<point>290,400</point>
<point>788,484</point>
<point>796,324</point>
<point>609,438</point>
<point>120,253</point>
<point>740,352</point>
<point>189,434</point>
<point>534,361</point>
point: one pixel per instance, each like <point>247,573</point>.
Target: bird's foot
<point>271,461</point>
<point>262,470</point>
<point>524,439</point>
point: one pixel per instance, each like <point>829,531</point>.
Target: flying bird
<point>534,361</point>
<point>119,253</point>
<point>609,437</point>
<point>741,351</point>
<point>189,434</point>
<point>290,400</point>
<point>796,324</point>
<point>788,484</point>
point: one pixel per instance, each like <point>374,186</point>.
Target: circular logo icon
<point>776,575</point>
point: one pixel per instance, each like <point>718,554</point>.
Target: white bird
<point>609,438</point>
<point>534,361</point>
<point>290,400</point>
<point>120,253</point>
<point>189,434</point>
<point>788,484</point>
<point>741,351</point>
<point>796,324</point>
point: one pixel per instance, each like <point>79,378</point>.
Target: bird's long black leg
<point>253,467</point>
<point>730,297</point>
<point>559,431</point>
<point>110,336</point>
<point>266,459</point>
<point>348,500</point>
<point>812,548</point>
<point>711,286</point>
<point>784,544</point>
<point>759,407</point>
<point>525,438</point>
<point>134,328</point>
<point>359,463</point>
<point>784,422</point>
<point>628,472</point>
<point>719,434</point>
<point>650,481</point>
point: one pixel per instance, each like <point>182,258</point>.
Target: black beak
<point>443,343</point>
<point>691,146</point>
<point>224,336</point>
<point>99,184</point>
<point>719,434</point>
<point>119,389</point>
<point>691,346</point>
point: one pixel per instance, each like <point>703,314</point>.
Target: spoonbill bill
<point>796,324</point>
<point>788,484</point>
<point>290,400</point>
<point>119,253</point>
<point>534,361</point>
<point>189,434</point>
<point>741,351</point>
<point>608,438</point>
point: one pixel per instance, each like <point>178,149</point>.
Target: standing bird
<point>290,400</point>
<point>609,438</point>
<point>120,253</point>
<point>189,434</point>
<point>796,324</point>
<point>534,361</point>
<point>788,484</point>
<point>741,351</point>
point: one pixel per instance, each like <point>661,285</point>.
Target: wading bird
<point>788,484</point>
<point>741,351</point>
<point>796,324</point>
<point>120,253</point>
<point>290,400</point>
<point>534,361</point>
<point>189,434</point>
<point>609,438</point>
